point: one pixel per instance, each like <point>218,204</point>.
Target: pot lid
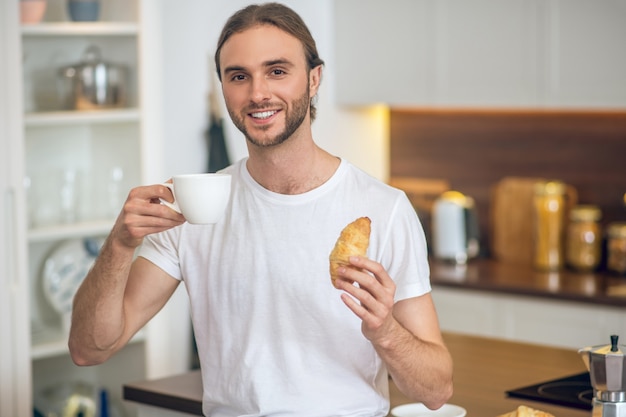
<point>92,54</point>
<point>91,58</point>
<point>612,349</point>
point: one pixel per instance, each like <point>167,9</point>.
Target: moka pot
<point>607,371</point>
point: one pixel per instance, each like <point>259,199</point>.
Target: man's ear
<point>315,78</point>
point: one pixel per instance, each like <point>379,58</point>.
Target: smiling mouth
<point>261,115</point>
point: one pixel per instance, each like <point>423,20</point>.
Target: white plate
<point>420,410</point>
<point>65,269</point>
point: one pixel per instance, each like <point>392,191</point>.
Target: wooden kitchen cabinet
<point>481,53</point>
<point>102,154</point>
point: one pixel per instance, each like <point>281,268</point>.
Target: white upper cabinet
<point>384,51</point>
<point>585,53</point>
<point>486,53</point>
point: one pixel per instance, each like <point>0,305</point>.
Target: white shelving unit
<point>48,344</point>
<point>81,29</point>
<point>76,152</point>
<point>67,118</point>
<point>73,231</point>
<point>106,152</point>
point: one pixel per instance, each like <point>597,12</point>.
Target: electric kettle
<point>455,231</point>
<point>607,370</point>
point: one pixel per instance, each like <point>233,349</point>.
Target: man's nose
<point>260,90</point>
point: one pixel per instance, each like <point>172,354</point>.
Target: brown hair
<point>273,14</point>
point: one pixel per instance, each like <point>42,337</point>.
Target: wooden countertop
<point>493,276</point>
<point>484,369</point>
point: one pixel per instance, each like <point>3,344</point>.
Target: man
<point>273,334</point>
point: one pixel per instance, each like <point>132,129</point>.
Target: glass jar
<point>616,247</point>
<point>583,245</point>
<point>549,221</point>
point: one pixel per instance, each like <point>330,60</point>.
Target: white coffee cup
<point>201,198</point>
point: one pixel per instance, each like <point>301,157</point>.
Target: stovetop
<point>574,391</point>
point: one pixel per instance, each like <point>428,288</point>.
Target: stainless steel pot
<point>93,83</point>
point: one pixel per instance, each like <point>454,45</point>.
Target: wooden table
<point>484,369</point>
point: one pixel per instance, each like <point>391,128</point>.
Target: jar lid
<point>458,198</point>
<point>549,188</point>
<point>617,229</point>
<point>586,212</point>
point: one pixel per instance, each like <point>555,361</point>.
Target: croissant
<point>353,240</point>
<point>523,411</point>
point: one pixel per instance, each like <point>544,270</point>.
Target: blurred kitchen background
<point>488,98</point>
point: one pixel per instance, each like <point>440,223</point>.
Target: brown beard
<point>293,119</point>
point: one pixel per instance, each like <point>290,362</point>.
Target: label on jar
<point>616,261</point>
<point>583,245</point>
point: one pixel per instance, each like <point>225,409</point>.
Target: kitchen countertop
<point>484,369</point>
<point>181,393</point>
<point>493,276</point>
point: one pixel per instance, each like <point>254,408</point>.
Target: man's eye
<point>278,72</point>
<point>238,77</point>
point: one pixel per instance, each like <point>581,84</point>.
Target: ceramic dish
<point>420,410</point>
<point>65,269</point>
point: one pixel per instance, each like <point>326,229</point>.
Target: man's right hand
<point>143,214</point>
<point>121,294</point>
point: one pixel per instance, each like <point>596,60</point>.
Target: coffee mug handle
<point>174,205</point>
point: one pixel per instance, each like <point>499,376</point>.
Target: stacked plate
<point>420,410</point>
<point>64,271</point>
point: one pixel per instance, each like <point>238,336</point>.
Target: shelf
<point>47,343</point>
<point>70,117</point>
<point>67,231</point>
<point>81,29</point>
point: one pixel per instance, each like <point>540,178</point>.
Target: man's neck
<point>291,168</point>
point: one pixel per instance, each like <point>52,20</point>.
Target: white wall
<point>190,31</point>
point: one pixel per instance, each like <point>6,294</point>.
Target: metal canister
<point>583,243</point>
<point>616,247</point>
<point>549,205</point>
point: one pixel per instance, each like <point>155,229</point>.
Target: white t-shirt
<point>273,336</point>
